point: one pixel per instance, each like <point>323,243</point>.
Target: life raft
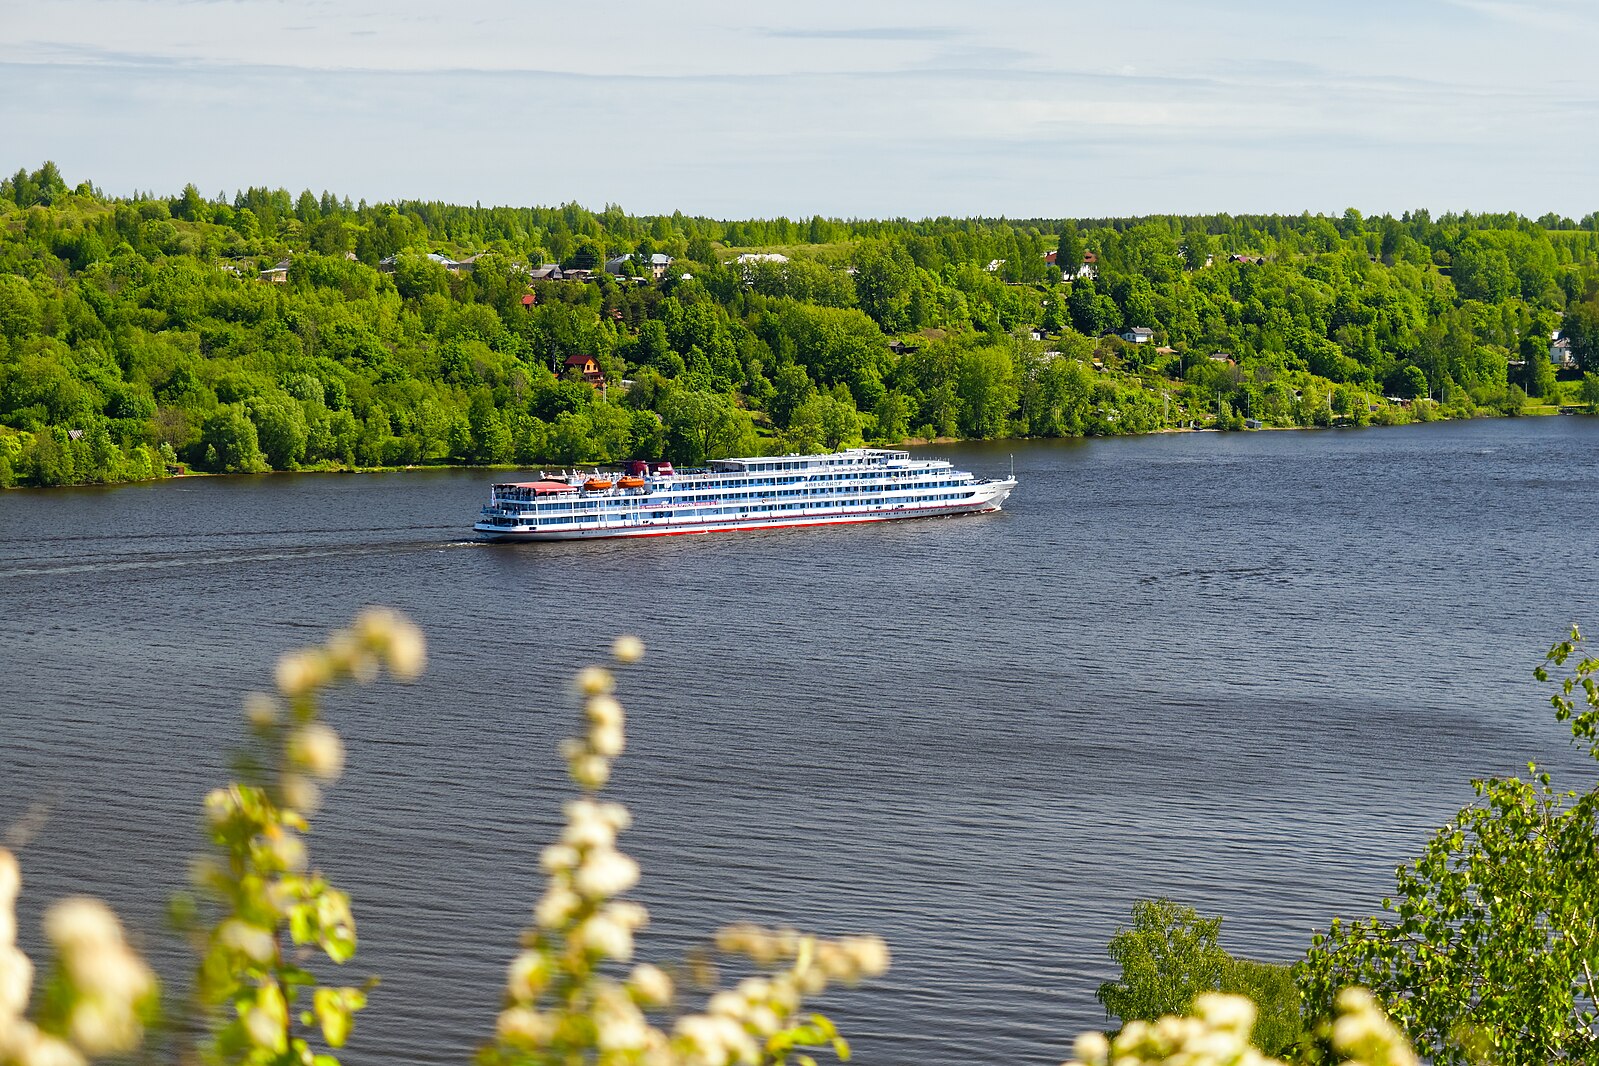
<point>631,483</point>
<point>597,484</point>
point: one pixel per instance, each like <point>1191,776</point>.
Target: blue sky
<point>1023,109</point>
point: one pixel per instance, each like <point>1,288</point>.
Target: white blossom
<point>558,857</point>
<point>605,874</point>
<point>607,740</point>
<point>587,826</point>
<point>299,672</point>
<point>407,652</point>
<point>16,981</point>
<point>525,1026</point>
<point>264,1030</point>
<point>251,941</point>
<point>110,971</point>
<point>529,972</point>
<point>317,747</point>
<point>605,936</point>
<point>651,984</point>
<point>604,711</point>
<point>591,771</point>
<point>557,907</point>
<point>289,850</point>
<point>1091,1049</point>
<point>219,806</point>
<point>79,922</point>
<point>260,710</point>
<point>1232,1013</point>
<point>300,793</point>
<point>594,681</point>
<point>104,1027</point>
<point>628,649</point>
<point>23,1044</point>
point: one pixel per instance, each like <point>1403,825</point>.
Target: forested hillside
<point>146,335</point>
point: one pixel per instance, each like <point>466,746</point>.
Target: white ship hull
<point>759,492</point>
<point>983,503</point>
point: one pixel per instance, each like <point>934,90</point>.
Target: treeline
<point>139,336</point>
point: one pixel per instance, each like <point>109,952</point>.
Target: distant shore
<point>909,442</point>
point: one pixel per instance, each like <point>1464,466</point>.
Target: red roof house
<point>585,365</point>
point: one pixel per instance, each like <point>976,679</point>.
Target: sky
<point>871,108</point>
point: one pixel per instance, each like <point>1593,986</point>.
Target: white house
<point>658,264</point>
<point>1138,335</point>
<point>1560,352</point>
<point>464,266</point>
<point>1089,268</point>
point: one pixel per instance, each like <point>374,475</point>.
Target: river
<point>1246,671</point>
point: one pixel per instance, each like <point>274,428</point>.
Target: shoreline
<point>1546,411</point>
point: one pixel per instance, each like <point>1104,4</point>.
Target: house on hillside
<point>444,261</point>
<point>658,264</point>
<point>277,273</point>
<point>587,367</point>
<point>1088,269</point>
<point>547,272</point>
<point>748,260</point>
<point>1138,335</point>
<point>529,299</point>
<point>1247,260</point>
<point>1560,353</point>
<point>454,266</point>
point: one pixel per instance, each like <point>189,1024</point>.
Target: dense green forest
<point>145,335</point>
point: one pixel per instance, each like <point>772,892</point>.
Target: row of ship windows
<point>854,475</point>
<point>811,464</point>
<point>629,502</point>
<point>716,512</point>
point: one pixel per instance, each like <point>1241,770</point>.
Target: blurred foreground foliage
<point>1487,956</point>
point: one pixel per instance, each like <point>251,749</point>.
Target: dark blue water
<point>1249,672</point>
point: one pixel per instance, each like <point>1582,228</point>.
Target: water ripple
<point>1246,671</point>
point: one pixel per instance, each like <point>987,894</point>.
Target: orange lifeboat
<point>631,483</point>
<point>597,484</point>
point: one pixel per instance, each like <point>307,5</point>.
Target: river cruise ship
<point>770,492</point>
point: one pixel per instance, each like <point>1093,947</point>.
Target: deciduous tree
<point>1489,948</point>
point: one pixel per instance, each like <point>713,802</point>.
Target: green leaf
<point>333,1008</point>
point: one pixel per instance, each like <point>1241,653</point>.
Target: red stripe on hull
<point>606,534</point>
